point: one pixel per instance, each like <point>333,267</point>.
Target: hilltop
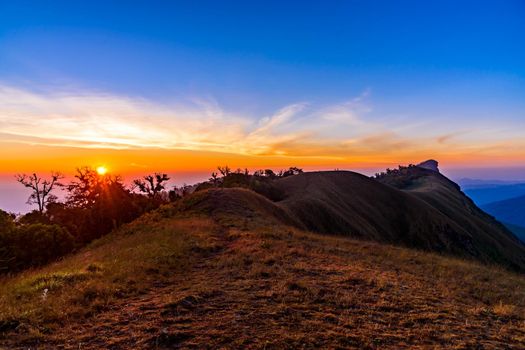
<point>323,259</point>
<point>419,208</point>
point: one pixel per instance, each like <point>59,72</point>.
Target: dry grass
<point>184,282</point>
<point>433,214</point>
<point>133,261</point>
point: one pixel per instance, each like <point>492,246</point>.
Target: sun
<point>102,170</point>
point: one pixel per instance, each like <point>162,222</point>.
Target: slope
<point>421,209</point>
<point>489,237</point>
<point>178,279</point>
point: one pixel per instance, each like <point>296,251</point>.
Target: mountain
<point>413,207</point>
<point>489,193</point>
<point>228,268</point>
<point>468,183</point>
<point>511,211</point>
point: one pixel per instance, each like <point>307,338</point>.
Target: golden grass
<point>128,262</point>
<point>166,282</point>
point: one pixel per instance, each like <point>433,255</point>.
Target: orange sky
<point>192,166</point>
<point>20,158</point>
<point>44,131</point>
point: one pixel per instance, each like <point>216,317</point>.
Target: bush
<point>39,243</point>
<point>7,222</point>
<point>33,245</point>
<point>108,212</point>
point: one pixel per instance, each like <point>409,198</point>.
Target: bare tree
<point>41,188</point>
<point>214,179</point>
<point>224,170</point>
<point>152,185</point>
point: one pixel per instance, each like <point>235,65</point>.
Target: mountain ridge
<point>419,208</point>
<point>230,268</point>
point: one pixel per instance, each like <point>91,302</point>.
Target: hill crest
<point>425,210</point>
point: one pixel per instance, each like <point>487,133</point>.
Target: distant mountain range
<point>489,193</point>
<point>510,211</point>
<point>468,183</point>
<point>503,199</point>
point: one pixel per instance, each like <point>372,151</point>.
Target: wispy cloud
<point>446,138</point>
<point>342,131</point>
<point>103,120</point>
<point>348,112</point>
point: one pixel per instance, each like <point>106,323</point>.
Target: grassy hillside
<point>491,240</point>
<point>420,209</point>
<point>135,260</point>
<point>198,275</point>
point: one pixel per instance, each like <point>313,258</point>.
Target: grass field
<point>169,281</point>
<point>138,258</point>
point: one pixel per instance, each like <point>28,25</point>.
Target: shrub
<point>33,245</point>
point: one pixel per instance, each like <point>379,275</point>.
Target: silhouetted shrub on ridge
<point>26,245</point>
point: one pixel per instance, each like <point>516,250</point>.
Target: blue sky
<point>260,55</point>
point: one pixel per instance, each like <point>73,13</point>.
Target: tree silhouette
<point>270,173</point>
<point>224,170</point>
<point>152,185</point>
<point>41,188</point>
<point>85,189</point>
<point>214,179</point>
<point>290,172</point>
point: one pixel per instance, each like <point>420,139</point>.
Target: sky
<point>181,87</point>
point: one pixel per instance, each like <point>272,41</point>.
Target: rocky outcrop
<point>430,164</point>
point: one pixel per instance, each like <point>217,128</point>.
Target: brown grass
<point>139,258</point>
<point>432,215</point>
<point>187,282</point>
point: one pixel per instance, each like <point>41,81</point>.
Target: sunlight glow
<point>83,127</point>
<point>102,170</point>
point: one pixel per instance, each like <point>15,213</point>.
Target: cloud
<point>100,120</point>
<point>342,131</point>
<point>442,139</point>
<point>280,118</point>
<point>348,112</point>
<point>104,120</point>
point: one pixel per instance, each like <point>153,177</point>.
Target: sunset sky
<point>141,86</point>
